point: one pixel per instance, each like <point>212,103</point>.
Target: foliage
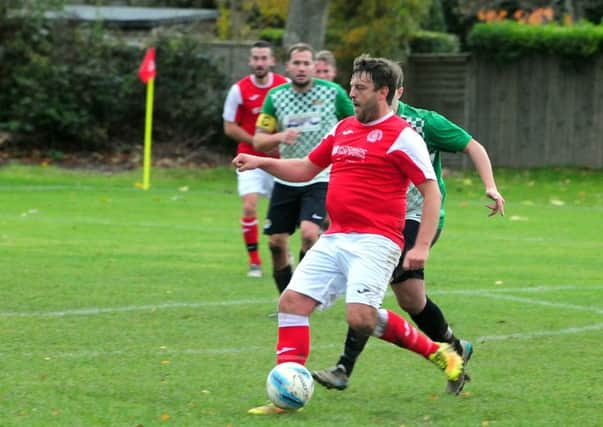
<point>380,28</point>
<point>434,42</point>
<point>507,39</point>
<point>245,19</point>
<point>273,35</point>
<point>76,87</point>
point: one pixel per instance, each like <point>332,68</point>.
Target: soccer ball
<point>290,385</point>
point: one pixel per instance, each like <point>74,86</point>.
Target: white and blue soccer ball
<point>290,385</point>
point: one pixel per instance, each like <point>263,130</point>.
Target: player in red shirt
<point>241,110</point>
<point>374,156</point>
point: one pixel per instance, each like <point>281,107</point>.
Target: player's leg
<point>250,185</point>
<point>370,267</point>
<point>312,214</point>
<point>283,212</point>
<point>409,288</point>
<point>316,281</point>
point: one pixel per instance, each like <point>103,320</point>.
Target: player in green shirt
<point>440,135</point>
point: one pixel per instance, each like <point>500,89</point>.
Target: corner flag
<point>146,73</point>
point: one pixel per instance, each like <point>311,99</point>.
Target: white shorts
<point>255,181</point>
<point>357,265</point>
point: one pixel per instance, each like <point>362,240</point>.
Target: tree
<point>307,22</point>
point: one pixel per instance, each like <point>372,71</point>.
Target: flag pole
<point>147,73</point>
<point>146,180</point>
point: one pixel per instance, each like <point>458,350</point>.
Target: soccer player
<point>241,110</point>
<point>294,118</point>
<point>326,66</point>
<point>439,134</point>
<point>373,155</point>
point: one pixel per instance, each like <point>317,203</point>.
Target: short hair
<point>327,56</point>
<point>299,47</point>
<point>382,71</point>
<point>262,44</point>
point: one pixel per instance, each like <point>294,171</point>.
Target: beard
<point>301,85</point>
<point>367,113</point>
<point>260,73</point>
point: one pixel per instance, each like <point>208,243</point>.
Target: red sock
<point>249,226</point>
<point>401,333</point>
<point>293,344</point>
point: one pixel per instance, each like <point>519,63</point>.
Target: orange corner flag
<point>147,70</point>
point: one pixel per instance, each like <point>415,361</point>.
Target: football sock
<point>431,321</point>
<point>293,343</point>
<point>282,278</point>
<point>401,333</point>
<point>249,227</point>
<point>354,344</point>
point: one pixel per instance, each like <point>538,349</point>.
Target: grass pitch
<point>120,307</point>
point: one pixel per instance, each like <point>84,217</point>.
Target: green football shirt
<point>440,135</point>
<point>314,113</point>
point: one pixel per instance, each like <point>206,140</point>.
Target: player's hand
<point>499,202</point>
<point>245,162</point>
<point>289,136</point>
<point>415,258</point>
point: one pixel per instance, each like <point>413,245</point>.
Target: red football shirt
<point>244,103</point>
<point>372,165</point>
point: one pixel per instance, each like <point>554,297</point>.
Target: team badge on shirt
<point>375,135</point>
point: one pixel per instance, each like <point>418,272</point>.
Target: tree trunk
<point>306,22</point>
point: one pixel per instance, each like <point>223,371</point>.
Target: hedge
<point>510,40</point>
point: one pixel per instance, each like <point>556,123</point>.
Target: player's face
<point>325,71</point>
<point>300,68</point>
<point>364,97</point>
<point>261,61</point>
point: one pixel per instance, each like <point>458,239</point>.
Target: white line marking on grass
<point>93,354</point>
<point>486,293</point>
<point>537,334</point>
<point>93,311</point>
<point>534,301</point>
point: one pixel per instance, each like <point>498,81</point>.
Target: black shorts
<point>411,228</point>
<point>289,206</point>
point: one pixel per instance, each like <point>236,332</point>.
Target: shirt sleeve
<point>412,157</point>
<point>231,105</point>
<point>267,121</point>
<point>321,154</point>
<point>444,135</point>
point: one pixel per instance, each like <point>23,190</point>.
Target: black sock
<point>431,321</point>
<point>282,278</point>
<point>354,344</point>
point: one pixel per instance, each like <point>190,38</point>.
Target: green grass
<point>120,307</point>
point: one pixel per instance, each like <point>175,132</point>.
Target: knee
<point>309,235</point>
<point>295,303</point>
<point>362,321</point>
<point>411,296</point>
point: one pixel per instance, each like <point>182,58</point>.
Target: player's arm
<point>236,132</point>
<point>231,109</point>
<point>294,170</point>
<point>268,141</point>
<point>417,256</point>
<point>479,156</point>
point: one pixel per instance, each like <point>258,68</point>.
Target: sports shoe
<point>335,377</point>
<point>254,271</point>
<point>270,409</point>
<point>448,361</point>
<point>456,386</point>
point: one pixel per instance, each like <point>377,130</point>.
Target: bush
<point>434,42</point>
<point>508,40</point>
<point>77,88</point>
